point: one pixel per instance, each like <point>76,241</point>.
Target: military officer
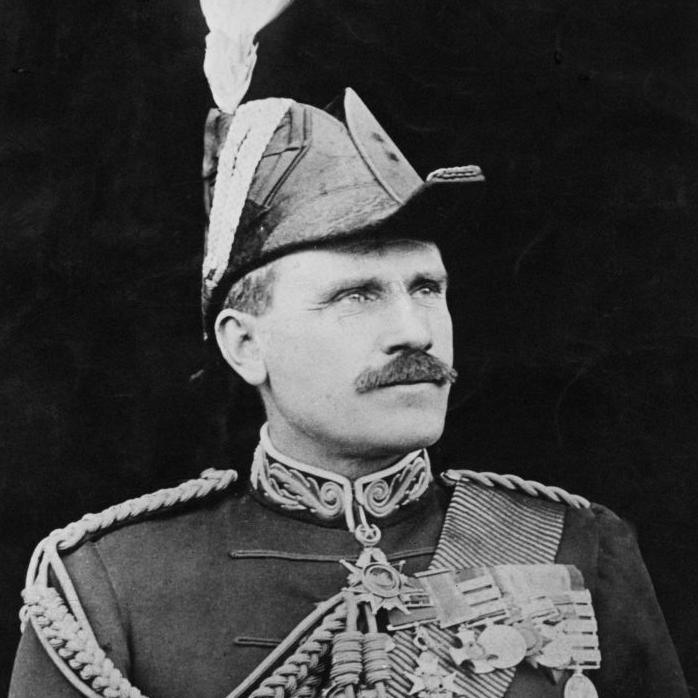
<point>343,567</point>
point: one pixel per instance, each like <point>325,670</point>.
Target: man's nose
<point>406,326</point>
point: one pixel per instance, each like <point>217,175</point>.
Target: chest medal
<point>458,629</point>
<point>461,624</point>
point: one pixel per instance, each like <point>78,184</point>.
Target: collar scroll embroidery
<point>295,486</point>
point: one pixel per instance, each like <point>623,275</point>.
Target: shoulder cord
<point>514,482</point>
<point>61,624</point>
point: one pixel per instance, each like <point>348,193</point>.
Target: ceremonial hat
<point>281,176</point>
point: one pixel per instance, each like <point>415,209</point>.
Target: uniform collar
<point>330,498</point>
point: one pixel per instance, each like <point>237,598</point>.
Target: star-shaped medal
<point>374,580</point>
<point>431,681</point>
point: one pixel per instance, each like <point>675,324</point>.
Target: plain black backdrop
<point>577,306</point>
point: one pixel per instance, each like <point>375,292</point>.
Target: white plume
<point>230,49</point>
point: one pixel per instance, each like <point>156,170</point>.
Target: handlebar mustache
<point>414,366</point>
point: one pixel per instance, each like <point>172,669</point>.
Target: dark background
<point>576,304</point>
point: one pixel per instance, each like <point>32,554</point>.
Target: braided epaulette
<point>514,482</point>
<point>210,481</point>
<point>58,619</point>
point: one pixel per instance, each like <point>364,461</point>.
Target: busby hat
<point>281,176</point>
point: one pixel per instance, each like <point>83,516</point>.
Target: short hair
<point>252,293</point>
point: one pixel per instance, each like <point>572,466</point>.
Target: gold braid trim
<point>301,673</point>
<point>514,482</point>
<point>315,633</point>
<point>64,639</point>
<point>60,622</point>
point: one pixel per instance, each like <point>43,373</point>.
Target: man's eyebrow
<point>439,276</point>
<point>376,283</point>
<point>370,283</point>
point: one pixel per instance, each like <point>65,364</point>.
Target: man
<point>325,288</point>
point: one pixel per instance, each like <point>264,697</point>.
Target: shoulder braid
<point>59,621</point>
<point>514,482</point>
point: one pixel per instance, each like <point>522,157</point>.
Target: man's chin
<point>400,435</point>
<point>409,403</point>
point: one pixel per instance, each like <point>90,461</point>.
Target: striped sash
<point>483,526</point>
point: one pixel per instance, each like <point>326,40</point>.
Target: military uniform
<point>188,601</point>
<point>196,591</point>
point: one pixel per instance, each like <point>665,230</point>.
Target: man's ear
<point>236,334</point>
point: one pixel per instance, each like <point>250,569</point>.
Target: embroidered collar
<point>295,486</point>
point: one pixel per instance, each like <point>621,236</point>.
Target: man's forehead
<point>389,257</point>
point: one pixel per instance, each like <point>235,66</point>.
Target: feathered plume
<point>231,51</point>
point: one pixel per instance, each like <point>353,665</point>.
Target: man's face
<point>336,315</point>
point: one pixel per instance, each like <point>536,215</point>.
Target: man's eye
<point>354,297</point>
<point>429,290</point>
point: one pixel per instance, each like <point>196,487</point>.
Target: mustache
<point>414,366</point>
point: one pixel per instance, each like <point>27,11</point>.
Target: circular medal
<point>579,686</point>
<point>382,580</point>
<point>556,654</point>
<point>505,647</point>
<point>480,666</point>
<point>532,638</point>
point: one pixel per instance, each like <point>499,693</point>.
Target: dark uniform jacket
<point>188,602</point>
